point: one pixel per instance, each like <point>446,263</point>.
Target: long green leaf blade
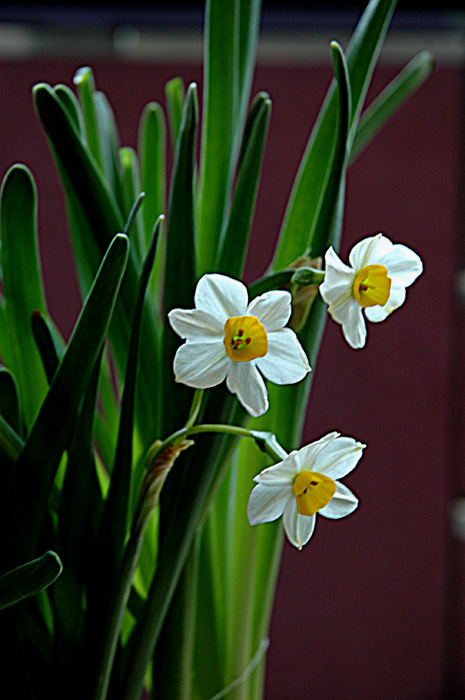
<point>29,579</point>
<point>95,218</point>
<point>180,269</point>
<point>233,243</point>
<point>311,178</point>
<point>84,81</point>
<point>411,77</point>
<point>50,433</point>
<point>22,285</point>
<point>175,95</point>
<point>218,126</point>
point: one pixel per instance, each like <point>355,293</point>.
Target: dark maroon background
<point>362,612</point>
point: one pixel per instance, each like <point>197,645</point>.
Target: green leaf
<point>9,400</point>
<point>84,81</point>
<point>29,579</point>
<point>95,218</point>
<point>49,343</point>
<point>328,221</point>
<point>22,286</point>
<point>115,517</point>
<point>180,272</point>
<point>79,515</point>
<point>49,436</point>
<point>80,174</point>
<point>109,144</point>
<point>231,30</point>
<point>311,179</point>
<point>70,103</point>
<point>152,155</point>
<point>105,584</point>
<point>130,181</point>
<point>179,638</point>
<point>411,77</point>
<point>218,126</point>
<point>232,247</point>
<point>175,95</point>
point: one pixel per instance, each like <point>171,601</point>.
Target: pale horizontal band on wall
<point>131,43</point>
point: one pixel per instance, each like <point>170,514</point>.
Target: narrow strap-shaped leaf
<point>233,244</point>
<point>180,272</point>
<point>113,529</point>
<point>114,523</point>
<point>364,47</point>
<point>9,400</point>
<point>178,640</point>
<point>73,159</point>
<point>11,431</point>
<point>411,77</point>
<point>48,343</point>
<point>218,125</point>
<point>325,230</point>
<point>130,181</point>
<point>109,144</point>
<point>29,579</point>
<point>70,102</point>
<point>84,81</point>
<point>182,519</point>
<point>175,95</point>
<point>95,219</point>
<point>152,155</point>
<point>248,26</point>
<point>22,285</point>
<point>302,208</point>
<point>79,516</point>
<point>50,433</point>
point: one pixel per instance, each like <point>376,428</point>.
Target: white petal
<point>403,265</point>
<point>195,323</point>
<point>273,309</point>
<point>380,313</point>
<point>306,457</point>
<point>245,381</point>
<point>342,503</point>
<point>221,296</point>
<point>201,365</point>
<point>281,473</point>
<point>285,362</point>
<point>353,326</point>
<point>267,503</point>
<point>339,279</point>
<point>369,251</point>
<point>338,457</point>
<point>298,528</point>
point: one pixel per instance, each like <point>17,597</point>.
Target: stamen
<point>372,286</point>
<point>245,338</point>
<point>312,491</point>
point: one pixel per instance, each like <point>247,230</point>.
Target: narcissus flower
<point>374,283</point>
<point>228,338</point>
<point>305,483</point>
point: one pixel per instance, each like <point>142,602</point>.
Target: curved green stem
<point>195,408</point>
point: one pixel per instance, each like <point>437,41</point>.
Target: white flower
<point>376,280</point>
<point>228,338</point>
<point>306,483</point>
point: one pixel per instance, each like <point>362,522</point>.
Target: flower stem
<point>195,408</point>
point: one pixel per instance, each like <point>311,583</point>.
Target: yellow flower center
<point>312,492</point>
<point>372,286</point>
<point>245,338</point>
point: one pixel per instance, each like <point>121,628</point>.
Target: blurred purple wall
<point>359,612</point>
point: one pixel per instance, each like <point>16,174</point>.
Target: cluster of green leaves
<point>77,419</point>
